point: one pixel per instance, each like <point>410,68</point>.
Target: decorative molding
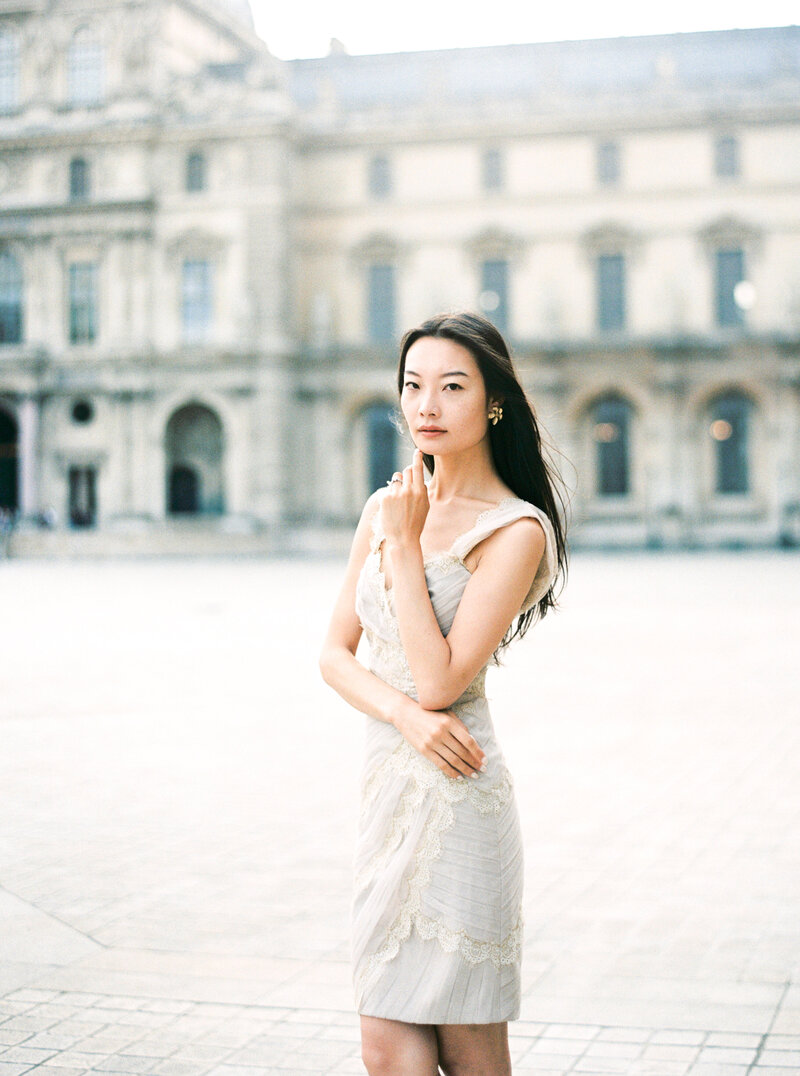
<point>730,231</point>
<point>494,242</point>
<point>379,248</point>
<point>611,237</point>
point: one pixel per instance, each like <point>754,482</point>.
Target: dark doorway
<point>9,451</point>
<point>184,490</point>
<point>82,496</point>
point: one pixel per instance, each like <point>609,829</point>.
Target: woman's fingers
<point>467,746</point>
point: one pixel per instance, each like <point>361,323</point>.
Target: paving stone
<point>662,900</point>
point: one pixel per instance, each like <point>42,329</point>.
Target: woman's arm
<point>443,667</point>
<point>441,737</point>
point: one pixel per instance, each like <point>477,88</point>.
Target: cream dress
<point>437,924</point>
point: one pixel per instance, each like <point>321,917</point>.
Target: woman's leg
<point>392,1048</point>
<point>474,1049</point>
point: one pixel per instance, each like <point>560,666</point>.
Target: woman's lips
<point>430,433</point>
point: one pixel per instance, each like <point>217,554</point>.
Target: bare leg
<point>392,1048</point>
<point>474,1049</point>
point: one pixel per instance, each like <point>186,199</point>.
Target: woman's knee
<point>390,1048</point>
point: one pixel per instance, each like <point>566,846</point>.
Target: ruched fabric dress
<point>437,910</point>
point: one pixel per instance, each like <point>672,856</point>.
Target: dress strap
<point>376,524</point>
<point>509,511</point>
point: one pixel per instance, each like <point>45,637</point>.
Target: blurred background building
<point>208,255</point>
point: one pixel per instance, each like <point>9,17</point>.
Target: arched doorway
<point>194,450</point>
<point>9,452</point>
<point>610,424</point>
<point>381,444</point>
<point>729,427</point>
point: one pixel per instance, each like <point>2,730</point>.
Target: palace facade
<point>208,255</point>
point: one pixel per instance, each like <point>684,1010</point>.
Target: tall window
<point>730,420</point>
<point>11,293</point>
<point>726,157</point>
<point>611,420</point>
<point>82,302</point>
<point>197,300</point>
<point>196,172</point>
<point>9,72</point>
<point>610,270</point>
<point>494,292</point>
<point>729,271</point>
<point>381,303</point>
<point>380,177</point>
<point>85,69</point>
<point>492,170</point>
<point>79,179</point>
<point>607,163</point>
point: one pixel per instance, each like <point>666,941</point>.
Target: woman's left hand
<point>405,506</point>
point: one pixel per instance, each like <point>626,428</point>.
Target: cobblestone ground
<point>179,803</point>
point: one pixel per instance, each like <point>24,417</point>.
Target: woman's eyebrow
<point>453,373</point>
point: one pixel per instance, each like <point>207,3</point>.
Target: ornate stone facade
<point>207,257</point>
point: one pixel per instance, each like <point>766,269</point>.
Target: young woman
<point>441,576</point>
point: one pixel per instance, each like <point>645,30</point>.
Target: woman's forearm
<point>365,691</point>
<point>427,651</point>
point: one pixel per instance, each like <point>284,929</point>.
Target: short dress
<point>437,908</point>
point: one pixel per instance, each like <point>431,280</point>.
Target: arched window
<point>85,69</point>
<point>11,295</point>
<point>196,172</point>
<point>381,444</point>
<point>79,179</point>
<point>9,72</point>
<point>729,430</point>
<point>611,422</point>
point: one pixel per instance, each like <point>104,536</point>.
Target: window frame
<point>83,302</point>
<point>80,180</point>
<point>197,300</point>
<point>381,302</point>
<point>380,181</point>
<point>12,299</point>
<point>611,306</point>
<point>9,72</point>
<point>85,70</point>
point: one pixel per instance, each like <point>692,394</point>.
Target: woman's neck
<point>469,474</point>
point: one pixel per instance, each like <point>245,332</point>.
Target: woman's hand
<point>405,506</point>
<point>442,738</point>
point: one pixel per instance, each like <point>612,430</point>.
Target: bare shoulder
<point>521,542</point>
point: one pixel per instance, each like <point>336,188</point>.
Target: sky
<point>305,28</point>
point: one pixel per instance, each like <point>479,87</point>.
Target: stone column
<point>28,417</point>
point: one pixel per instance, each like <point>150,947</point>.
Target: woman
<point>437,576</point>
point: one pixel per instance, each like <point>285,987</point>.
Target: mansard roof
<point>714,67</point>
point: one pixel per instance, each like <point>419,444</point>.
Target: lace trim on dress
<point>410,914</point>
<point>472,950</point>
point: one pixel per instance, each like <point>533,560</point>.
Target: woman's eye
<point>454,385</point>
<point>411,385</point>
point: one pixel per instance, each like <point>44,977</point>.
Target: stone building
<point>207,257</point>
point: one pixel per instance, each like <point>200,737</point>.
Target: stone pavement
<point>179,797</point>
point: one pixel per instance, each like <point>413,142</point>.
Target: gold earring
<point>495,414</point>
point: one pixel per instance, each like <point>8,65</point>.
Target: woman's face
<point>444,397</point>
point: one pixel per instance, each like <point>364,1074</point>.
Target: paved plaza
<point>179,801</point>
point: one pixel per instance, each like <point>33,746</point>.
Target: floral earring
<point>495,414</point>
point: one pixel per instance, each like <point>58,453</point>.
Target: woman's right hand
<point>442,738</point>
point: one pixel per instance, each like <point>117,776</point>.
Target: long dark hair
<point>516,443</point>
